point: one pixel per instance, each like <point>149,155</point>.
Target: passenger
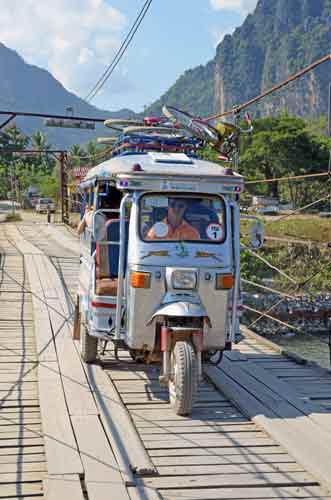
<point>111,201</point>
<point>177,228</point>
<point>86,220</point>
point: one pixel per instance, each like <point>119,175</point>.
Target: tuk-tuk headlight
<point>184,280</point>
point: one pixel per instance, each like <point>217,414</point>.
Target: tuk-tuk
<point>160,263</point>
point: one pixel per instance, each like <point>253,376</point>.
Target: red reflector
<point>103,304</point>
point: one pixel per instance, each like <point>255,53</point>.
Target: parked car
<point>45,204</point>
<point>268,210</point>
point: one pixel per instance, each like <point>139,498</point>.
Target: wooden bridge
<point>261,428</point>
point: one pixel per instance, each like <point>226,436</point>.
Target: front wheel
<point>183,382</point>
<point>88,345</point>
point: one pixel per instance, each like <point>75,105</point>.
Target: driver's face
<point>177,206</point>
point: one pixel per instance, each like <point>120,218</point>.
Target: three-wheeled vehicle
<point>160,263</point>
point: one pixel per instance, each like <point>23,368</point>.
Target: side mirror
<point>255,233</point>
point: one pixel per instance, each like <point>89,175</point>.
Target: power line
<point>279,86</point>
<point>291,178</point>
<point>119,54</point>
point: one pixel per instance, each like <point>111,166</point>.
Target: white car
<point>268,210</point>
<point>45,204</point>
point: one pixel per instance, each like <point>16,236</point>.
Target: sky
<point>76,39</point>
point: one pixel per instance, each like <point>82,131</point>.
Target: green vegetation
<point>18,171</point>
<point>309,227</point>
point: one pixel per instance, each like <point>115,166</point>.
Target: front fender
<point>181,309</point>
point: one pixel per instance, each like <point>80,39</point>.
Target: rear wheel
<point>88,345</point>
<point>183,382</point>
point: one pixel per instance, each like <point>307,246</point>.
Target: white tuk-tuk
<point>160,263</point>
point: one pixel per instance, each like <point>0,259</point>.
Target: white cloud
<point>73,39</point>
<point>241,6</point>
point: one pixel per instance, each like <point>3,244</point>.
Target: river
<point>313,347</point>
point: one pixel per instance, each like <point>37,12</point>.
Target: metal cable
<point>291,178</point>
<point>119,54</point>
<point>279,86</point>
<point>304,208</point>
<point>269,264</point>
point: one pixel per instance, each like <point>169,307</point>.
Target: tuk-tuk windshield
<point>171,217</point>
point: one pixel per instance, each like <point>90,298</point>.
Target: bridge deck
<point>261,428</point>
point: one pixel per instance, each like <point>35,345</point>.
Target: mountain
<point>278,39</point>
<point>24,87</point>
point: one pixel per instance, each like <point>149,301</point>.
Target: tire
<point>183,383</point>
<point>88,345</point>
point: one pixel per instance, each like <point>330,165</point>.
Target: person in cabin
<point>174,226</point>
<point>86,220</point>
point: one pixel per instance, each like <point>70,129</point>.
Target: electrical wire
<point>119,54</point>
<point>292,178</point>
<point>279,86</point>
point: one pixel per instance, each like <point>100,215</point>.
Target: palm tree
<point>75,154</point>
<point>39,143</point>
<point>92,150</point>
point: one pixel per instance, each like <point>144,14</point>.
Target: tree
<point>11,139</point>
<point>284,146</point>
<point>42,162</point>
<point>75,154</point>
<point>92,151</point>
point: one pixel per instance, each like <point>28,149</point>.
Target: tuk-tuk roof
<point>147,171</point>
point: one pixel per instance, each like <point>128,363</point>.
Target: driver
<point>174,227</point>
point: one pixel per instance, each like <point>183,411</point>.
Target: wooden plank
<point>201,430</point>
<point>60,444</point>
<point>240,458</point>
<point>125,441</point>
<point>176,425</point>
<point>157,405</point>
<point>152,415</point>
<point>76,388</point>
<point>25,490</point>
<point>142,493</point>
<point>242,493</point>
<point>158,397</point>
<point>307,408</point>
<point>22,458</point>
<point>212,441</point>
<point>43,331</point>
<point>21,450</point>
<point>63,487</point>
<point>298,434</point>
<point>14,443</point>
<point>231,480</point>
<point>216,451</point>
<point>103,490</point>
<point>23,432</point>
<point>204,469</point>
<point>232,437</point>
<point>19,467</point>
<point>24,477</point>
<point>77,391</point>
<point>97,457</point>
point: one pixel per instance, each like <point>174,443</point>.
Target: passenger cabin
<point>105,184</point>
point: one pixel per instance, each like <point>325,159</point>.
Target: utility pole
<point>12,189</point>
<point>64,188</point>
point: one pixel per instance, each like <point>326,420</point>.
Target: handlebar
<point>224,137</point>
